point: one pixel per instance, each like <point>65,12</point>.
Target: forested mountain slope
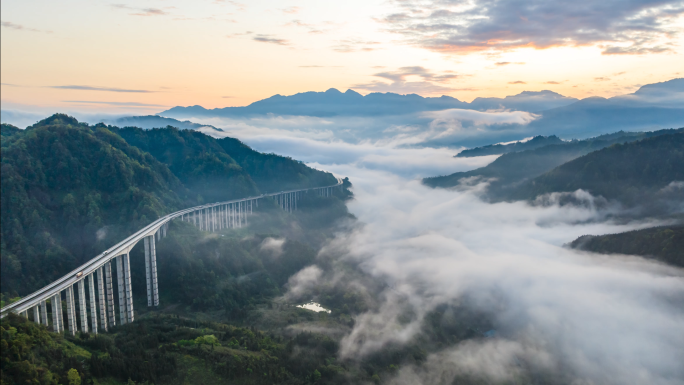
<point>510,170</point>
<point>70,190</point>
<point>63,183</point>
<point>632,173</point>
<point>194,157</point>
<point>496,149</point>
<point>664,243</point>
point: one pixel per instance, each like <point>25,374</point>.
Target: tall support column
<point>56,301</point>
<point>93,304</point>
<point>121,290</point>
<point>43,313</point>
<point>102,300</point>
<point>128,288</point>
<point>153,269</point>
<point>71,316</point>
<point>36,315</point>
<point>148,277</point>
<point>82,306</point>
<point>110,293</point>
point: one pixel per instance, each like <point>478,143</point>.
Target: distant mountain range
<point>652,107</point>
<point>332,102</point>
<point>325,104</point>
<point>350,103</point>
<point>154,121</point>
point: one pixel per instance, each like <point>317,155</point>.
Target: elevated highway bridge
<point>89,287</point>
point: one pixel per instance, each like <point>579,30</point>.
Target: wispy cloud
<point>616,26</point>
<point>290,10</point>
<point>505,63</point>
<point>19,27</point>
<point>142,11</point>
<point>92,88</point>
<point>425,81</point>
<point>552,82</point>
<point>517,82</point>
<point>355,45</point>
<point>239,34</point>
<point>122,104</point>
<point>270,39</point>
<point>317,66</point>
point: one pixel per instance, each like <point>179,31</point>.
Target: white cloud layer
<point>598,319</point>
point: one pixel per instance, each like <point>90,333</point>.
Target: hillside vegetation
<point>510,171</point>
<point>70,190</point>
<point>496,149</point>
<point>664,243</point>
<point>633,173</point>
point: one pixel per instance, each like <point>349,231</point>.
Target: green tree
<point>73,377</point>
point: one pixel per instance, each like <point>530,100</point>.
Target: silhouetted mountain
<point>154,121</point>
<point>350,103</point>
<point>326,104</point>
<point>652,107</point>
<point>510,170</point>
<point>525,101</point>
<point>495,149</point>
<point>596,115</point>
<point>664,243</point>
<point>664,94</point>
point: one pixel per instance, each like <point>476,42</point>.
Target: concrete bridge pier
<point>153,271</point>
<point>127,287</point>
<point>93,305</point>
<point>102,298</point>
<point>82,306</point>
<point>43,313</point>
<point>148,270</point>
<point>121,291</point>
<point>71,317</point>
<point>56,302</point>
<point>109,292</point>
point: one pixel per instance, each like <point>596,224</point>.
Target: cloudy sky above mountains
<point>144,56</point>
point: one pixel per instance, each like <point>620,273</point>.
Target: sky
<point>146,56</point>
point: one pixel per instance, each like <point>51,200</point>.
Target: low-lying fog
<point>596,319</point>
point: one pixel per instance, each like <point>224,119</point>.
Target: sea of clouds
<point>597,319</point>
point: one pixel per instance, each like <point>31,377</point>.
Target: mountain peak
<point>674,85</point>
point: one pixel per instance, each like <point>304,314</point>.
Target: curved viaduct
<point>97,308</point>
